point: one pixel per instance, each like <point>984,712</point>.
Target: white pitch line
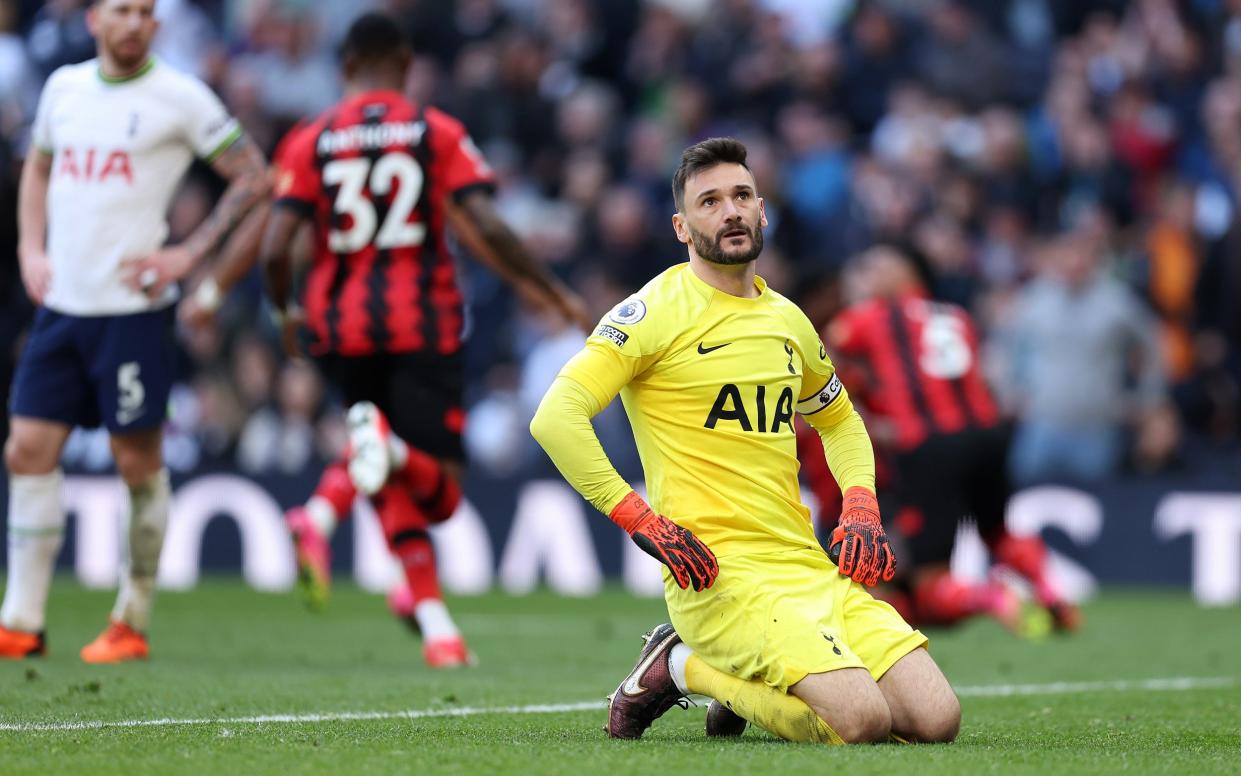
<point>982,691</point>
<point>1122,685</point>
<point>329,716</point>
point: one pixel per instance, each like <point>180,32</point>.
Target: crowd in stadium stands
<point>1070,170</point>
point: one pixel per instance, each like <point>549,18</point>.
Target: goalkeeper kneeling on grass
<point>711,364</point>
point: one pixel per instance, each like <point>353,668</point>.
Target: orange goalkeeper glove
<point>691,562</point>
<point>858,546</point>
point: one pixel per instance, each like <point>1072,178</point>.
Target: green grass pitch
<point>222,654</point>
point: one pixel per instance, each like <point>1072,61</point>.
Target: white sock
<point>677,659</point>
<point>148,519</point>
<point>36,531</point>
<point>322,515</point>
<point>434,620</point>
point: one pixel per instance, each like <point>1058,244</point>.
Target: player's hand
<point>691,562</point>
<point>151,274</point>
<point>858,545</point>
<point>197,310</point>
<point>36,271</point>
<point>193,314</point>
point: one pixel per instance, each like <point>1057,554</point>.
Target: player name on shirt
<point>370,136</point>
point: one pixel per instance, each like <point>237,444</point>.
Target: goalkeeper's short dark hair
<point>373,37</point>
<point>704,155</point>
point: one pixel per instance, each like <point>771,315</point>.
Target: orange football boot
<point>116,644</point>
<point>447,652</point>
<point>15,645</point>
<point>1065,617</point>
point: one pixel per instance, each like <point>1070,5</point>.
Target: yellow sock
<point>779,713</point>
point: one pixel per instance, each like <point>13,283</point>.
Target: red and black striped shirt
<point>923,363</point>
<point>373,173</point>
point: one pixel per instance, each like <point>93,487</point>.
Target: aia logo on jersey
<point>731,406</point>
<point>92,165</point>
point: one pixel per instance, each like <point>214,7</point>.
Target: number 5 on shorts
<point>130,393</point>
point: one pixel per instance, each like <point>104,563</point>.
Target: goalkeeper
<point>711,365</point>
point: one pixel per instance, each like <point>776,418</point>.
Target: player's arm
<point>586,385</point>
<point>846,445</point>
<point>858,545</point>
<point>477,224</point>
<point>32,223</point>
<point>235,260</point>
<point>245,169</point>
<point>464,183</point>
<point>281,229</point>
<point>243,166</point>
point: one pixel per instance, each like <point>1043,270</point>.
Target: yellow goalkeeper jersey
<point>711,383</point>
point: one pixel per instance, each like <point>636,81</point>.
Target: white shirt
<point>120,148</point>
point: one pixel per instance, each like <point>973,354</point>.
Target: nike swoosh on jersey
<point>705,351</point>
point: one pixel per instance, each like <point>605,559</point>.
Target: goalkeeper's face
<point>723,216</point>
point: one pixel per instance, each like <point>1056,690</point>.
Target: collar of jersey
<point>113,80</point>
<point>711,291</point>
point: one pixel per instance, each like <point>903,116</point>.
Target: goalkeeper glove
<point>691,562</point>
<point>858,546</point>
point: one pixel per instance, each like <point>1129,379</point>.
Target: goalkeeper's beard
<point>712,249</point>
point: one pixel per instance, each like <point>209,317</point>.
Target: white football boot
<point>370,461</point>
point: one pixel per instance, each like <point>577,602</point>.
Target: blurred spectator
<point>15,310</point>
<point>1173,274</point>
<point>58,36</point>
<point>1211,396</point>
<point>185,36</point>
<point>1074,334</point>
<point>295,76</point>
<point>960,58</point>
<point>815,173</point>
<point>948,251</point>
<point>280,436</point>
<point>219,414</point>
<point>623,242</point>
<point>876,58</point>
<point>18,88</point>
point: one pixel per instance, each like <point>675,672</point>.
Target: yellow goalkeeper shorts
<point>782,616</point>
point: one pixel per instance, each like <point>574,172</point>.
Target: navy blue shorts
<point>86,370</point>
